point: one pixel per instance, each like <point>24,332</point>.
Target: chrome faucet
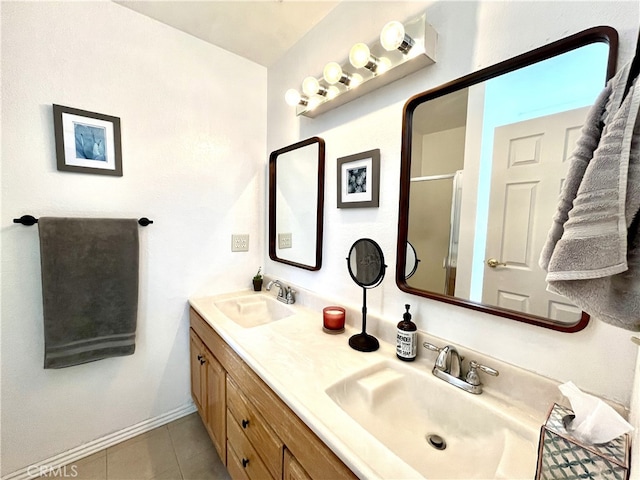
<point>285,294</point>
<point>448,367</point>
<point>449,361</point>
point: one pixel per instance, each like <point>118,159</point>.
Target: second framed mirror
<point>296,204</point>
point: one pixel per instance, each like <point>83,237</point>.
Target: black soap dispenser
<point>406,338</point>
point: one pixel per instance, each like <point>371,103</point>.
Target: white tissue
<point>595,422</point>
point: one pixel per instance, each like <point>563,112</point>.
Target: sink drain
<point>437,442</point>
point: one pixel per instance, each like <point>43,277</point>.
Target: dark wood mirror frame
<point>273,167</point>
<point>596,34</point>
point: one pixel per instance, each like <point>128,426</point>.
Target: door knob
<point>245,462</point>
<point>493,263</point>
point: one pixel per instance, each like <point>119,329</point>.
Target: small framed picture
<point>87,142</point>
<point>359,180</point>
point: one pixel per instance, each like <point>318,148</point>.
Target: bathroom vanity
<point>256,435</point>
<point>282,399</point>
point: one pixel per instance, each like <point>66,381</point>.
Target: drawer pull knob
<point>245,423</point>
<point>202,359</point>
<point>245,462</point>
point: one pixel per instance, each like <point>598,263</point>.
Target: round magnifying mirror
<point>366,263</point>
<point>411,261</point>
<point>366,267</point>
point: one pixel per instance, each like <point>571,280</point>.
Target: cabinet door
<point>198,379</point>
<point>292,469</point>
<point>216,403</point>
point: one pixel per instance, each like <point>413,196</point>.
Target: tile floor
<point>180,450</point>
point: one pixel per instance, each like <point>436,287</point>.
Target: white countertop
<point>299,362</point>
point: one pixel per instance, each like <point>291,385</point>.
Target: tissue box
<point>560,456</point>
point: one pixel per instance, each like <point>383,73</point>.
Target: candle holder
<point>333,320</point>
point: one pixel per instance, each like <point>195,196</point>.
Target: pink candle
<point>333,318</point>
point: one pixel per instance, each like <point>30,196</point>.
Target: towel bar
<point>29,220</point>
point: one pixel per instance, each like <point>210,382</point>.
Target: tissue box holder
<point>560,456</point>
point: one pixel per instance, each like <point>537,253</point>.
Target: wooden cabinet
<point>208,387</point>
<point>265,439</point>
<point>292,469</point>
<point>198,372</point>
<point>245,454</point>
<point>244,419</point>
<point>216,403</point>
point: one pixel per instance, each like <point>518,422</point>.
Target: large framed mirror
<point>482,166</point>
<point>296,204</point>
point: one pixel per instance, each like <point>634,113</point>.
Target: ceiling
<point>261,31</point>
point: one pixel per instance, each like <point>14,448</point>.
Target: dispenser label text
<point>406,343</point>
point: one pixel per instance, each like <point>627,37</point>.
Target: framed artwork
<point>359,180</point>
<point>87,142</point>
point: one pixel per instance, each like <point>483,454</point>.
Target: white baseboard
<point>95,446</point>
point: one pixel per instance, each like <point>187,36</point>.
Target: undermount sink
<point>412,413</point>
<point>253,310</point>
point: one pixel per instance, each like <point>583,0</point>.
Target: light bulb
<point>359,55</point>
<point>384,64</point>
<point>310,86</point>
<point>332,92</point>
<point>314,102</point>
<point>332,73</point>
<point>356,79</point>
<point>393,37</point>
<point>292,97</point>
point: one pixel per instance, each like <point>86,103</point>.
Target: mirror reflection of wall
<point>437,163</point>
<point>296,214</point>
<point>507,139</point>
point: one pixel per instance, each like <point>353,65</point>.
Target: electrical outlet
<point>240,243</point>
<point>284,240</point>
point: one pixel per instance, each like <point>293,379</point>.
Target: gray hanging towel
<point>592,254</point>
<point>89,288</point>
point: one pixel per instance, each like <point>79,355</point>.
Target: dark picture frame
<point>359,180</point>
<point>87,142</point>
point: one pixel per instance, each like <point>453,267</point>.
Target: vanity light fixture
<point>401,49</point>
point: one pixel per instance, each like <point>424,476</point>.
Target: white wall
<point>600,359</point>
<point>194,162</point>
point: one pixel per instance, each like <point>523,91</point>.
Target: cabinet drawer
<point>241,452</point>
<point>234,465</point>
<point>253,425</point>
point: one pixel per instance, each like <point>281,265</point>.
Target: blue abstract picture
<point>357,180</point>
<point>90,141</point>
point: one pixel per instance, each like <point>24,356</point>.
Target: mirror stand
<point>363,342</point>
<point>366,267</point>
